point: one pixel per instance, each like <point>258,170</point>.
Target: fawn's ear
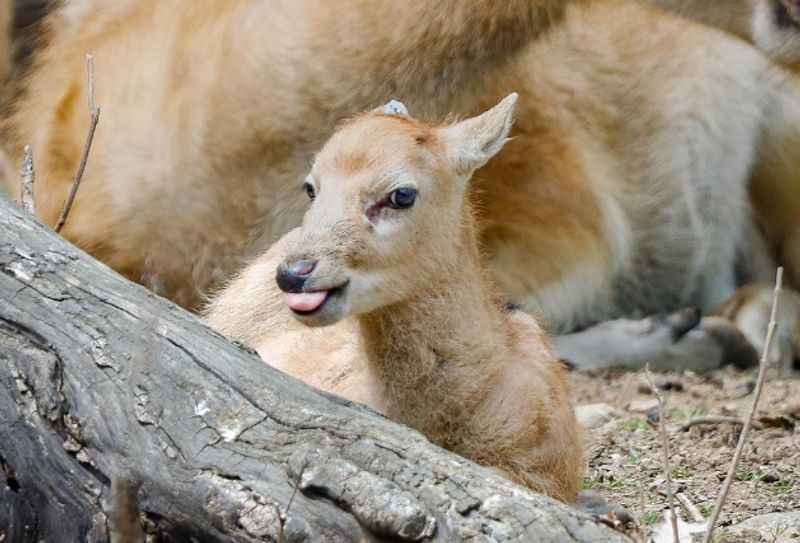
<point>472,142</point>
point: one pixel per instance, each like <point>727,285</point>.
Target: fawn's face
<point>387,195</point>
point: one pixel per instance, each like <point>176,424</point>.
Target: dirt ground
<point>626,457</point>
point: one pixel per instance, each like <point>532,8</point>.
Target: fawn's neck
<point>433,355</point>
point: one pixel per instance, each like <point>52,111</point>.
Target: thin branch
<point>665,447</point>
<point>27,178</point>
<point>762,371</point>
<point>690,507</point>
<point>94,113</point>
<point>715,419</point>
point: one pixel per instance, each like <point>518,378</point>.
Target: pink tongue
<point>306,301</point>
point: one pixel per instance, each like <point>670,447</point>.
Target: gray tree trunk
<point>100,380</point>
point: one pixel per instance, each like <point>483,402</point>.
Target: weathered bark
<point>100,378</point>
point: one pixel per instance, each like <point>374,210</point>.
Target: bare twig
<point>94,113</point>
<point>715,419</point>
<point>762,371</point>
<point>27,178</point>
<point>690,507</point>
<point>665,447</point>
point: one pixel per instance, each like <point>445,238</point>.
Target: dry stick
<point>762,371</point>
<point>691,508</point>
<point>27,178</point>
<point>714,419</point>
<point>665,447</point>
<point>94,112</point>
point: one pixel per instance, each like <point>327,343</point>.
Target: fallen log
<point>101,381</point>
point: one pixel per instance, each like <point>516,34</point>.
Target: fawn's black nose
<point>291,276</point>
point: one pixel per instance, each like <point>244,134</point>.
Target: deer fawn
<point>390,240</point>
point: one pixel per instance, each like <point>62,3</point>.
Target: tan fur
<point>605,204</point>
<point>623,191</point>
<point>211,111</point>
<point>765,23</point>
<point>432,347</point>
<point>624,154</point>
<point>601,206</point>
<point>734,16</point>
<point>774,27</point>
<point>624,188</point>
<point>7,173</point>
<point>6,13</point>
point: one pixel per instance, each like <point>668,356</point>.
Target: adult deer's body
<point>624,190</point>
<point>212,110</point>
<point>771,25</point>
<point>623,194</point>
<point>391,243</point>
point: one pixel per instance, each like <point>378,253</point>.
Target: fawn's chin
<point>330,311</point>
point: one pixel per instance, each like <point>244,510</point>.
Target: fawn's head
<point>387,213</point>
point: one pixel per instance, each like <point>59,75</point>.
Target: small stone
<point>774,527</point>
<point>72,445</point>
<point>770,477</point>
<point>83,457</point>
<point>595,415</point>
<point>743,389</point>
<point>643,406</point>
<point>730,409</point>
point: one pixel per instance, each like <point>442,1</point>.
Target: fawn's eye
<point>402,198</point>
<point>310,190</point>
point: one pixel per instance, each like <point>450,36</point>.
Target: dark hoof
<point>738,351</point>
<point>682,322</point>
